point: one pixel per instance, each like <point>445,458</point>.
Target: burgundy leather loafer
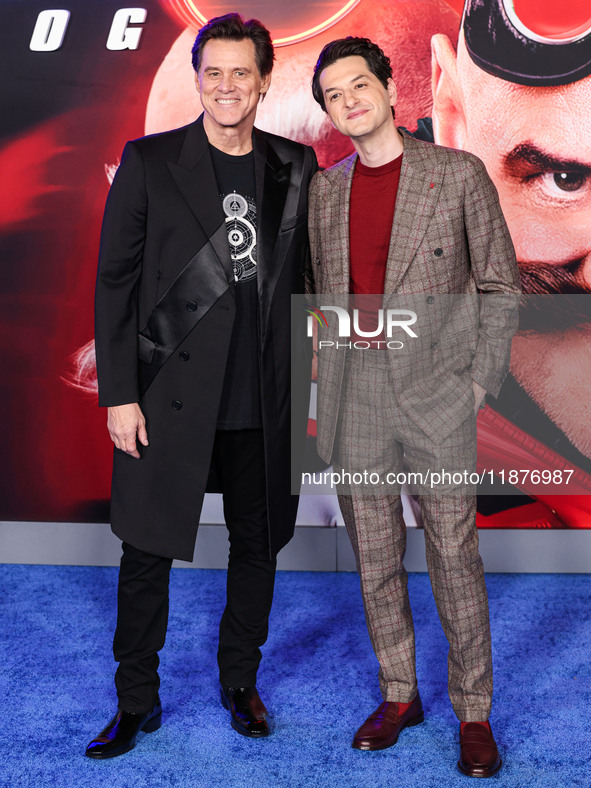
<point>247,710</point>
<point>479,756</point>
<point>120,734</point>
<point>381,729</point>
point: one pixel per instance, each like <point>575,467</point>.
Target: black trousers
<point>142,613</point>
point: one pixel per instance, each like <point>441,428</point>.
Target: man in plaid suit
<point>422,226</point>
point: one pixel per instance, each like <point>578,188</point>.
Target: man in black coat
<point>204,240</point>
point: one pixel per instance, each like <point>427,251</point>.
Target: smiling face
<point>230,85</point>
<point>535,144</point>
<point>357,103</point>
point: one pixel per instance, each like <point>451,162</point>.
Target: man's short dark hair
<point>232,27</point>
<point>377,62</point>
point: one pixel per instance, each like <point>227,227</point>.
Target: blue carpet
<point>318,675</point>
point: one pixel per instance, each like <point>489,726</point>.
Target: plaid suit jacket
<point>450,259</point>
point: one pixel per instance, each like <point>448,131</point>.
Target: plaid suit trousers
<point>374,433</point>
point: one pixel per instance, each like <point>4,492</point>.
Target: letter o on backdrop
<point>50,29</point>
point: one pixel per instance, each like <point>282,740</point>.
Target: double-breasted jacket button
<point>318,261</point>
<point>438,252</point>
<point>430,299</point>
<point>177,404</point>
<point>192,306</point>
<point>184,356</point>
<point>433,345</point>
<point>158,274</point>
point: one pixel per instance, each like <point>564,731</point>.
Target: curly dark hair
<point>232,27</point>
<point>377,62</point>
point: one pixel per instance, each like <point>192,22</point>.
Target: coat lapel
<point>195,178</point>
<point>341,178</point>
<point>206,276</point>
<point>418,191</point>
<point>272,185</point>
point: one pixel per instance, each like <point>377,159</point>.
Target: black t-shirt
<point>240,406</point>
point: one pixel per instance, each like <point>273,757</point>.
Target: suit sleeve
<point>496,274</point>
<point>119,270</point>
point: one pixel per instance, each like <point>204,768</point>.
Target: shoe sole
<point>241,731</point>
<point>469,773</point>
<point>410,724</point>
<point>149,727</point>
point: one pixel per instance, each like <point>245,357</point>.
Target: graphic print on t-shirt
<point>242,236</point>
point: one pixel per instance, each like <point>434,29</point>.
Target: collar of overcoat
<point>421,178</point>
<point>194,175</point>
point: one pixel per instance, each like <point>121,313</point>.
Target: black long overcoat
<point>164,312</point>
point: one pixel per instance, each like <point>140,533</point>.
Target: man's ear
<point>392,92</point>
<point>265,85</point>
<point>449,119</point>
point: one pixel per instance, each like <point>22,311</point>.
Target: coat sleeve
<point>311,168</point>
<point>496,274</point>
<point>314,233</point>
<point>119,270</point>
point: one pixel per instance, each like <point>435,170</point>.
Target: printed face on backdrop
<point>229,84</point>
<point>357,103</point>
<point>527,120</point>
<point>534,143</point>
